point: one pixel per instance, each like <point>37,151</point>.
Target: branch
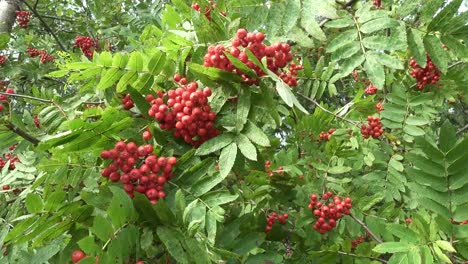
<point>21,133</point>
<point>376,238</point>
<point>46,26</point>
<point>326,110</point>
<point>28,97</point>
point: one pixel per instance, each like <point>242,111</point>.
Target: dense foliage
<point>236,131</point>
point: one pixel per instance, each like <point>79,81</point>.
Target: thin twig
<point>47,101</point>
<point>28,97</point>
<point>326,110</point>
<point>360,256</point>
<point>21,133</point>
<point>46,26</point>
<point>462,129</point>
<point>375,237</point>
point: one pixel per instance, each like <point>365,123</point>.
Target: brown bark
<point>7,14</point>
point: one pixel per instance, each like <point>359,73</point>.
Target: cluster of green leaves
<point>221,193</point>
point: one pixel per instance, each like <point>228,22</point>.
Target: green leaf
<point>441,255</point>
<point>310,25</point>
<point>240,65</point>
<point>164,212</point>
<point>102,228</point>
<point>275,15</point>
<point>443,17</point>
<point>388,60</point>
<point>219,198</point>
<point>126,79</point>
<point>293,8</point>
<point>246,147</point>
<point>256,135</point>
<point>342,39</point>
<point>243,108</point>
<point>170,239</point>
<point>88,245</point>
<point>348,65</point>
<point>339,169</point>
<point>392,247</point>
<point>403,233</point>
<point>447,136</point>
<point>437,54</point>
<point>379,24</point>
<point>120,60</point>
<point>445,245</point>
<point>414,256</point>
<point>135,62</point>
<point>109,77</point>
<point>156,63</point>
<point>34,203</point>
<point>227,159</point>
<point>455,45</point>
<point>340,23</point>
<point>54,201</point>
<point>396,165</point>
<point>215,144</point>
<point>413,130</point>
<point>416,46</point>
<point>324,8</point>
<point>57,74</point>
<point>215,74</point>
<point>121,209</point>
<point>105,59</point>
<point>375,71</point>
<point>285,93</point>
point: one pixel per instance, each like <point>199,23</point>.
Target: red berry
<point>77,255</point>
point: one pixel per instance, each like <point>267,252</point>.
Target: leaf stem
<point>327,111</point>
<point>375,237</point>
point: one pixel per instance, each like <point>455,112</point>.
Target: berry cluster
<point>379,107</point>
<point>280,170</point>
<point>127,102</point>
<point>43,56</point>
<point>86,44</point>
<point>186,110</point>
<point>357,241</point>
<point>3,59</point>
<point>278,56</point>
<point>273,217</point>
<point>22,17</point>
<point>138,169</point>
<point>377,3</point>
<point>371,89</point>
<point>331,212</point>
<point>9,157</point>
<point>196,6</point>
<point>428,75</point>
<point>36,121</point>
<point>325,136</point>
<point>373,128</point>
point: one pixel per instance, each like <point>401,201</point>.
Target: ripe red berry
<point>77,255</point>
<point>6,187</point>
